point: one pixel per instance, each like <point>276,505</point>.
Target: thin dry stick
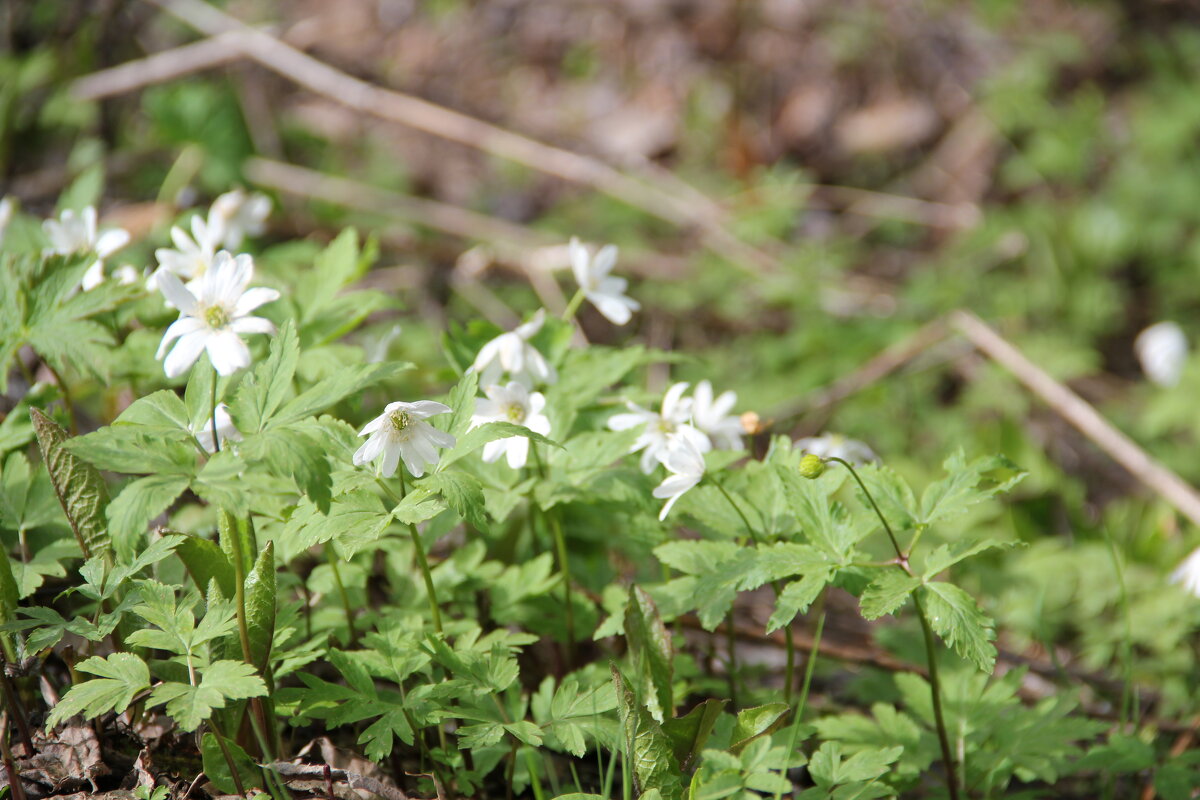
<point>319,77</point>
<point>507,238</point>
<point>1082,415</point>
<point>161,67</point>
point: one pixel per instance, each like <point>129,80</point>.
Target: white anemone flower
<point>192,256</point>
<point>686,465</point>
<point>235,214</point>
<point>713,419</point>
<point>212,315</point>
<point>516,404</point>
<point>1188,573</point>
<point>226,430</point>
<point>7,207</point>
<point>834,445</point>
<point>606,292</point>
<point>401,432</point>
<point>664,429</point>
<point>1162,349</point>
<point>512,353</point>
<point>77,233</point>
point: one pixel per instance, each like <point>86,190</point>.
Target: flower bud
<point>811,466</point>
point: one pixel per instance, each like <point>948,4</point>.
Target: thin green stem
<point>66,398</point>
<point>935,689</point>
<point>20,717</point>
<point>423,564</point>
<point>573,306</point>
<point>331,557</point>
<point>213,406</point>
<point>564,563</point>
<point>811,664</point>
<point>749,528</point>
<point>1127,698</point>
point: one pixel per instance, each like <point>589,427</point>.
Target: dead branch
<point>161,67</point>
<point>1082,415</point>
<point>319,77</point>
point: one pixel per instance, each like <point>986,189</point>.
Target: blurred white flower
<point>516,404</point>
<point>401,432</point>
<point>686,465</point>
<point>834,445</point>
<point>213,314</point>
<point>127,274</point>
<point>77,233</point>
<point>235,214</point>
<point>1188,573</point>
<point>192,256</point>
<point>226,430</point>
<point>713,419</point>
<point>512,353</point>
<point>606,293</point>
<point>1162,348</point>
<point>663,430</point>
<point>7,207</point>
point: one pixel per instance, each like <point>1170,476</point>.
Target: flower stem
<point>233,770</point>
<point>935,689</point>
<point>213,404</point>
<point>573,306</point>
<point>812,656</point>
<point>423,563</point>
<point>331,557</point>
<point>564,563</point>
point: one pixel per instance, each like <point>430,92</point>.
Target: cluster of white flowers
<point>680,433</point>
<point>77,233</point>
<point>231,217</point>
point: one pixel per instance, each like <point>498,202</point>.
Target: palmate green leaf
<point>477,437</point>
<point>261,606</point>
<point>16,429</point>
<point>297,451</point>
<point>351,380</point>
<point>809,500</point>
<point>886,727</point>
<point>462,401</point>
<point>161,413</point>
<point>947,555</point>
<point>568,714</point>
<point>122,676</point>
<point>894,496</point>
<point>652,654</point>
<point>463,493</point>
<point>27,498</point>
<point>355,520</point>
<point>957,619</point>
<point>48,561</point>
<point>268,385</point>
<point>222,681</point>
<point>9,595</point>
<point>58,327</point>
<point>647,748</point>
<point>828,769</point>
<point>796,598</point>
<point>965,485</point>
<point>216,768</point>
<point>887,592</point>
<point>140,501</point>
<point>78,484</point>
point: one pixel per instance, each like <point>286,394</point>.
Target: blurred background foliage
<point>1036,163</point>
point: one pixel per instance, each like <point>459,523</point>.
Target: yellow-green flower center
<point>216,317</point>
<point>400,420</point>
<point>515,413</point>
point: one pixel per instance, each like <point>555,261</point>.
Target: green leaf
<point>689,732</point>
<point>965,485</point>
<point>809,501</point>
<point>350,380</point>
<point>887,592</point>
<point>160,412</point>
<point>216,768</point>
<point>139,502</point>
<point>462,401</point>
<point>647,748</point>
<point>476,438</point>
<point>948,555</point>
<point>264,390</point>
<point>651,652</point>
<point>355,519</point>
<point>236,538</point>
<point>79,487</point>
<point>956,617</point>
<point>9,596</point>
<point>463,493</point>
<point>129,449</point>
<point>223,681</point>
<point>260,607</point>
<point>752,723</point>
<point>206,562</point>
<point>796,598</point>
<point>122,677</point>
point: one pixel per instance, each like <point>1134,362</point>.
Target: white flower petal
<point>180,327</point>
<point>176,292</point>
<point>423,409</point>
<point>252,325</point>
<point>111,241</point>
<point>518,451</point>
<point>252,299</point>
<point>227,352</point>
<point>186,351</point>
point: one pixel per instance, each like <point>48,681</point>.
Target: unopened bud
<point>811,466</point>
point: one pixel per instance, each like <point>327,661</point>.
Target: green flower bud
<point>811,466</point>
